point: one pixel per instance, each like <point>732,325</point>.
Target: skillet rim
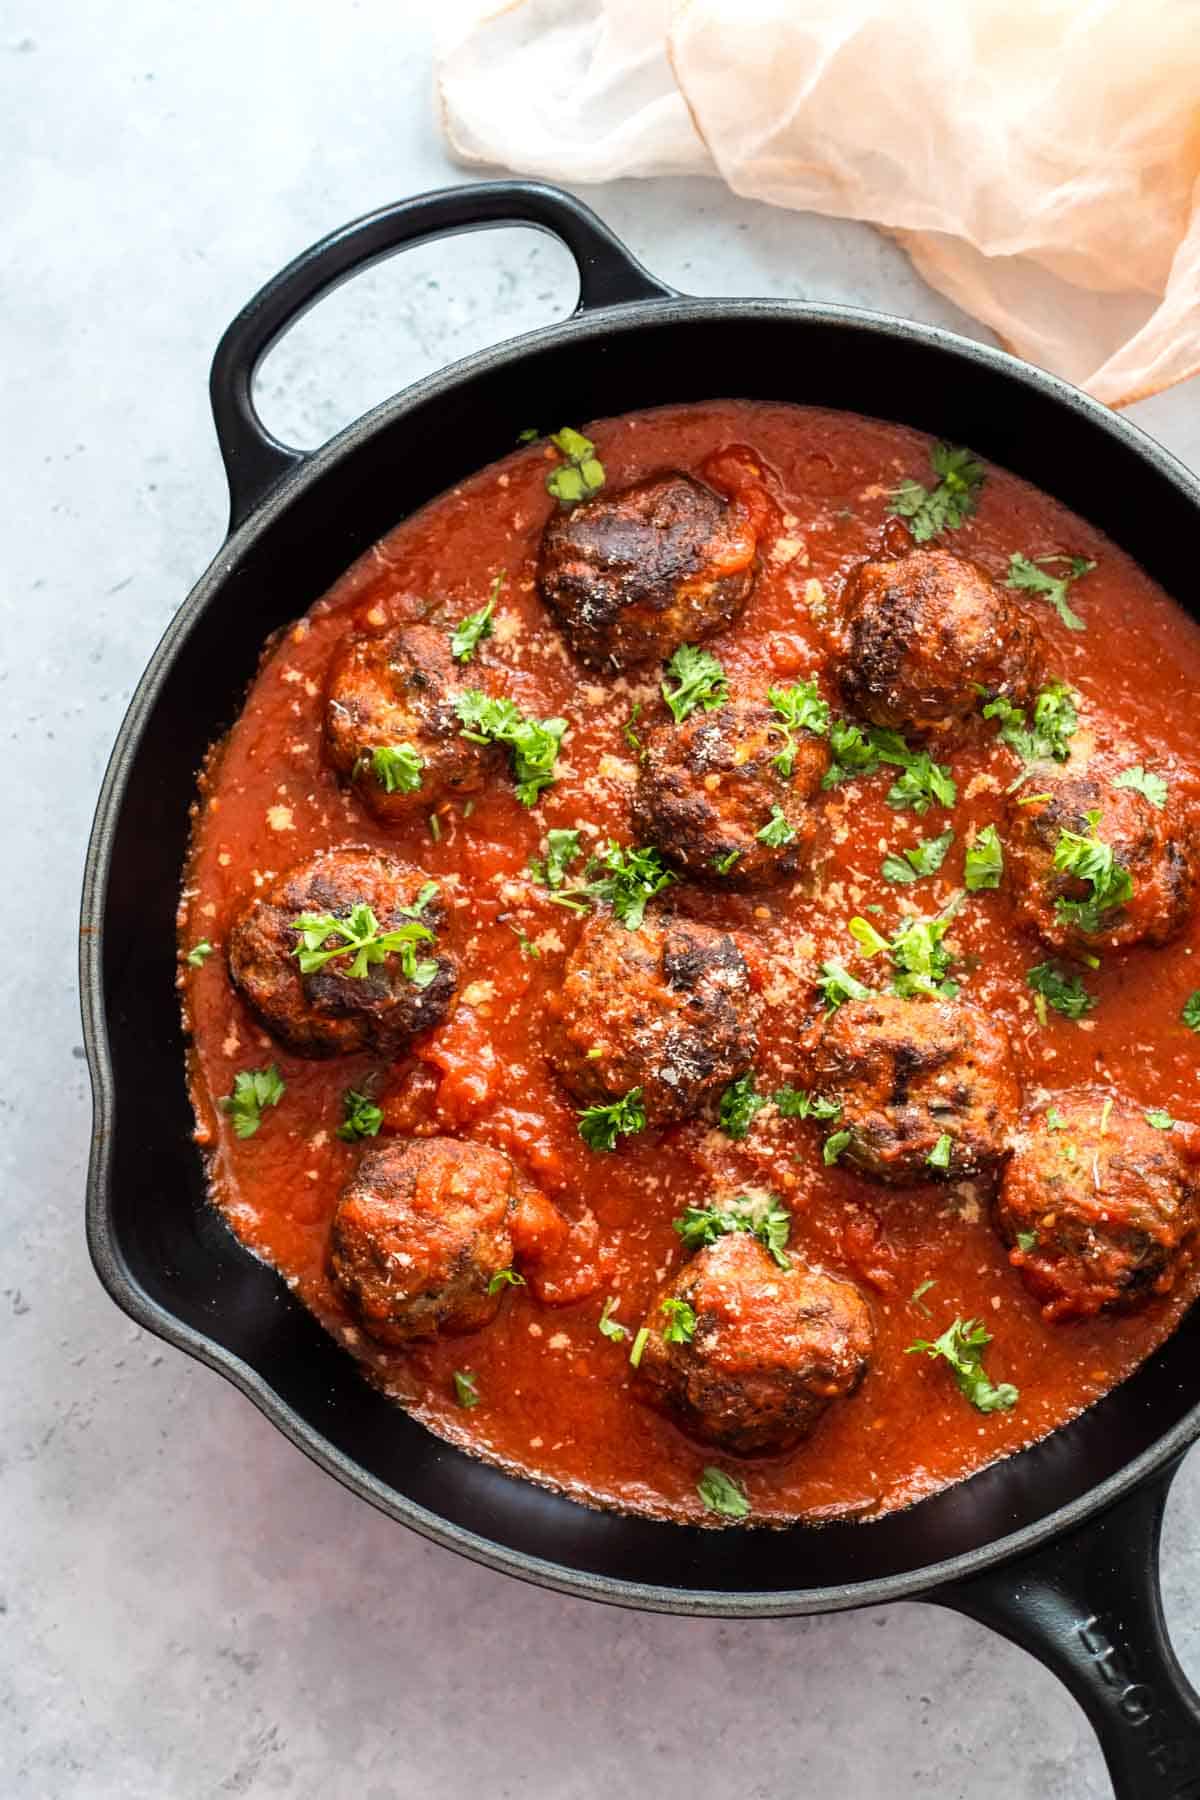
<point>110,1266</point>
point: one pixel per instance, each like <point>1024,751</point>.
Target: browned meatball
<point>709,790</point>
<point>668,1009</point>
<point>1098,1211</point>
<point>634,573</point>
<point>909,1074</point>
<point>330,1012</point>
<point>396,691</point>
<point>420,1230</point>
<point>1156,848</point>
<point>771,1350</point>
<point>920,635</point>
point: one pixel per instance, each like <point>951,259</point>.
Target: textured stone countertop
<point>187,1606</point>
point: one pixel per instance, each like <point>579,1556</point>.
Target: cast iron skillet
<point>1057,1547</point>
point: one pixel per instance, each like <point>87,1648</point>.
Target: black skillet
<point>1058,1547</point>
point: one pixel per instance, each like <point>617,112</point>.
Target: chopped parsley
<point>562,848</point>
<point>396,767</point>
<point>921,783</point>
<point>916,1298</point>
<point>795,1103</point>
<point>1055,1120</point>
<point>777,831</point>
<point>609,1327</point>
<point>1190,1013</point>
<point>1143,781</point>
<point>534,743</point>
<point>528,435</point>
<point>601,1126</point>
<point>702,682</point>
<point>984,863</point>
<point>723,864</point>
<point>939,1156</point>
<point>833,1146</point>
<point>950,503</point>
<point>920,959</point>
<point>962,1345</point>
<point>922,858</point>
<point>505,1278</point>
<point>1086,857</point>
<point>723,1494</point>
<point>629,728</point>
<point>858,752</point>
<point>759,1215</point>
<point>1161,1121</point>
<point>362,1118</point>
<point>253,1089</point>
<point>837,986</point>
<point>199,953</point>
<point>852,753</point>
<point>359,937</point>
<point>1065,993</point>
<point>525,942</point>
<point>1035,579</point>
<point>628,880</point>
<point>740,1106</point>
<point>800,708</point>
<point>680,1327</point>
<point>466,1387</point>
<point>641,1339</point>
<point>580,474</point>
<point>470,632</point>
<point>1027,1241</point>
<point>1055,721</point>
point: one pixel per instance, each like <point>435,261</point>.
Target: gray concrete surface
<point>187,1607</point>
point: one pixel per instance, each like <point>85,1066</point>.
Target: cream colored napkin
<point>1038,159</point>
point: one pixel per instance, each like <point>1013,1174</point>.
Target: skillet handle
<point>255,460</point>
<point>1089,1606</point>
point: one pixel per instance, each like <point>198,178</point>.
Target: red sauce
<point>554,1394</point>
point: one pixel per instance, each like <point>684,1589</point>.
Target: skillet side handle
<point>1089,1606</point>
<point>255,461</point>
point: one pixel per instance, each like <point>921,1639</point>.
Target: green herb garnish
<point>759,1215</point>
<point>945,507</point>
<point>505,1278</point>
<point>833,1146</point>
<point>800,708</point>
<point>609,1327</point>
<point>470,632</point>
<point>359,937</point>
<point>253,1089</point>
<point>601,1126</point>
<point>939,1156</point>
<point>1152,787</point>
<point>837,986</point>
<point>1055,721</point>
<point>919,957</point>
<point>722,1493</point>
<point>641,1339</point>
<point>1065,993</point>
<point>562,848</point>
<point>702,682</point>
<point>984,863</point>
<point>1034,578</point>
<point>795,1103</point>
<point>962,1345</point>
<point>629,879</point>
<point>1191,1011</point>
<point>723,864</point>
<point>777,831</point>
<point>396,767</point>
<point>1027,1241</point>
<point>1086,857</point>
<point>681,1322</point>
<point>534,743</point>
<point>581,474</point>
<point>1161,1121</point>
<point>466,1390</point>
<point>740,1105</point>
<point>923,858</point>
<point>199,953</point>
<point>362,1117</point>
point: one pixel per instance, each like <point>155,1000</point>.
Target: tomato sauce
<point>555,1401</point>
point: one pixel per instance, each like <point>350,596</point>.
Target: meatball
<point>920,635</point>
<point>419,1232</point>
<point>331,1012</point>
<point>1098,1211</point>
<point>911,1074</point>
<point>1155,848</point>
<point>667,1009</point>
<point>709,790</point>
<point>634,573</point>
<point>398,690</point>
<point>772,1348</point>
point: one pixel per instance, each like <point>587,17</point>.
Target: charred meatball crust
<point>907,1074</point>
<point>1099,1214</point>
<point>920,635</point>
<point>1159,848</point>
<point>419,1232</point>
<point>634,573</point>
<point>772,1348</point>
<point>400,687</point>
<point>668,1009</point>
<point>329,1013</point>
<point>707,789</point>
